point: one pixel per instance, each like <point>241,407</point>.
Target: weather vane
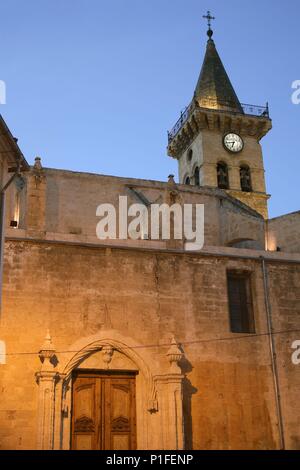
<point>209,19</point>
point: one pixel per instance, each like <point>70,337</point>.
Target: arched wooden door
<point>103,411</point>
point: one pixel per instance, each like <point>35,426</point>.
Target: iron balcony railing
<point>220,106</point>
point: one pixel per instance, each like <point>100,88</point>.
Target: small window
<point>197,176</point>
<point>187,180</point>
<point>240,302</point>
<point>222,173</point>
<point>190,155</point>
<point>245,176</point>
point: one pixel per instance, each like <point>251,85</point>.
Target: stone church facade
<point>141,344</point>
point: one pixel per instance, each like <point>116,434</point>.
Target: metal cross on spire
<point>209,19</point>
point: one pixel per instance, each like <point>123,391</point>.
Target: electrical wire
<point>180,343</point>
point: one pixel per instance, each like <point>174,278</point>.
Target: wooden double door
<point>103,411</point>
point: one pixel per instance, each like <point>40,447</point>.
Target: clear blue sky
<point>94,85</point>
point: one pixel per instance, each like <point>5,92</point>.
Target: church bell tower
<point>217,139</point>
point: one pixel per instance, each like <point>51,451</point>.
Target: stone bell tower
<point>217,139</point>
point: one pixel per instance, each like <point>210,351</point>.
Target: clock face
<point>234,143</point>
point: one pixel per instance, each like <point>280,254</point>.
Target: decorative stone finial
<point>173,193</point>
<point>47,351</point>
<point>37,163</point>
<point>38,171</point>
<point>175,355</point>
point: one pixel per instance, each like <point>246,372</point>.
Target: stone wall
<point>149,296</point>
<point>60,204</point>
<point>283,233</point>
<point>284,285</point>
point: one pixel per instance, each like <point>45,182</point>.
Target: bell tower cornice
<point>252,121</point>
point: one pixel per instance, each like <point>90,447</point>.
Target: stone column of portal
<point>59,411</point>
<point>170,400</point>
<point>46,379</point>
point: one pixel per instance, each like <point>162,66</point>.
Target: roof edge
<point>16,151</point>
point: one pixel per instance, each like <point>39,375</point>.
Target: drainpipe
<point>273,354</point>
<point>2,223</point>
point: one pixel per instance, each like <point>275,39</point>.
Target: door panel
<point>122,415</point>
<point>84,414</point>
<point>103,412</point>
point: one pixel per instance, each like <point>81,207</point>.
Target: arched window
<point>222,172</point>
<point>190,155</point>
<point>245,175</point>
<point>197,176</point>
<point>187,180</point>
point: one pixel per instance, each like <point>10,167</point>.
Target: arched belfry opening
<point>245,177</point>
<point>197,176</point>
<point>222,175</point>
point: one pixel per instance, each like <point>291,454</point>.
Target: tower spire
<point>214,89</point>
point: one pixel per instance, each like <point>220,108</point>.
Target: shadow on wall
<point>245,243</point>
<point>188,391</point>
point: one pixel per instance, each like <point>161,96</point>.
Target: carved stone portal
<point>158,389</point>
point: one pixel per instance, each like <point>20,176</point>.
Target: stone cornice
<point>221,121</point>
<point>208,251</point>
